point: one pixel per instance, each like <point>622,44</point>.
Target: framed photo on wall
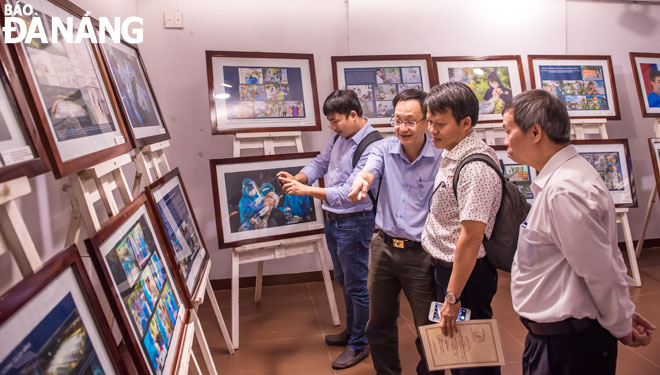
<point>584,83</point>
<point>250,205</point>
<point>654,146</point>
<point>262,92</point>
<point>376,79</point>
<point>646,69</point>
<point>495,80</point>
<point>518,174</point>
<point>70,95</point>
<point>52,323</point>
<point>183,242</point>
<point>131,84</point>
<point>139,284</point>
<point>20,150</point>
<point>611,158</point>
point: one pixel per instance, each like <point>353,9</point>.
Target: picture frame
<point>376,79</point>
<point>21,153</point>
<point>53,320</point>
<point>267,92</point>
<point>129,258</point>
<point>140,109</point>
<point>611,158</point>
<point>648,91</point>
<point>495,80</point>
<point>654,147</point>
<point>76,113</point>
<point>585,83</point>
<point>185,249</point>
<point>290,216</point>
<point>522,176</point>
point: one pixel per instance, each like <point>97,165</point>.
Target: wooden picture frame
<point>585,83</point>
<point>618,177</point>
<point>376,79</point>
<point>478,72</point>
<point>129,259</point>
<point>56,315</point>
<point>654,147</point>
<point>303,217</point>
<point>21,153</point>
<point>186,250</point>
<point>642,64</point>
<point>79,125</point>
<point>522,176</point>
<point>265,92</point>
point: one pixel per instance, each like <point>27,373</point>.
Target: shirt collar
<point>427,149</point>
<point>359,136</point>
<point>552,165</point>
<point>467,144</point>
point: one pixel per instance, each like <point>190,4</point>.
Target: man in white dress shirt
<point>568,282</point>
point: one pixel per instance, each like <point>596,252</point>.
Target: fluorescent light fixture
<point>222,96</point>
<point>225,85</point>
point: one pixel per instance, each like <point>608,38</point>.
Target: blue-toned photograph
<point>581,87</point>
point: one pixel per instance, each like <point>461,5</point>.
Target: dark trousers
<point>592,351</point>
<point>348,243</point>
<point>476,296</point>
<point>391,270</point>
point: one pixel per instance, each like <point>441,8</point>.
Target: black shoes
<point>349,358</point>
<point>338,339</point>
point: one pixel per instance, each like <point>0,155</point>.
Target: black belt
<point>564,327</point>
<point>333,216</point>
<point>400,243</point>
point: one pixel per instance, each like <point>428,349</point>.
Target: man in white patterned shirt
<point>456,225</point>
<point>568,281</point>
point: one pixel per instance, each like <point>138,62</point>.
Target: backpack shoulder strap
<point>335,139</point>
<point>372,137</point>
<point>476,157</point>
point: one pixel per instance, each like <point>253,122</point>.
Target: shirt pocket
<point>533,248</point>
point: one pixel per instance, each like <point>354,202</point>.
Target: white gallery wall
<point>175,62</point>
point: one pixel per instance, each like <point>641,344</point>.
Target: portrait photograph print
<point>250,205</point>
<point>584,83</point>
<point>654,146</point>
<point>520,175</point>
<point>52,323</point>
<point>611,158</point>
<point>140,287</point>
<point>646,69</point>
<point>259,91</point>
<point>377,79</point>
<point>495,80</point>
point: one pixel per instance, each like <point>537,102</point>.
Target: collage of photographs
<point>581,87</point>
<point>491,85</point>
<point>520,176</point>
<point>376,87</point>
<point>608,165</point>
<point>260,92</point>
<point>145,290</point>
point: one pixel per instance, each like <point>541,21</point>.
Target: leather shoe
<point>338,339</point>
<point>349,358</point>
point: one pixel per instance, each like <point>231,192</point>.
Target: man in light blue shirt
<point>407,166</point>
<point>349,226</point>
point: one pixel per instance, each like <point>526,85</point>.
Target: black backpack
<point>502,244</point>
<point>372,137</point>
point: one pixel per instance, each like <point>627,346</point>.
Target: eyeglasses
<point>410,124</point>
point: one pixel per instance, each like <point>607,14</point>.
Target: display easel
<point>490,132</point>
<point>652,199</point>
<point>386,131</point>
<point>579,129</point>
<point>151,162</point>
<point>260,252</point>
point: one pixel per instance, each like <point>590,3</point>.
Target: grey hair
<point>543,108</point>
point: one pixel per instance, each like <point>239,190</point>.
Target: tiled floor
<point>283,335</point>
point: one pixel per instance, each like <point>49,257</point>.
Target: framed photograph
<point>611,158</point>
<point>184,246</point>
<point>654,146</point>
<point>130,261</point>
<point>20,150</point>
<point>250,205</point>
<point>518,174</point>
<point>262,92</point>
<point>131,84</point>
<point>70,95</point>
<point>584,83</point>
<point>376,80</point>
<point>646,69</point>
<point>52,323</point>
<point>495,80</point>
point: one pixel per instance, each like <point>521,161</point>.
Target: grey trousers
<point>391,270</point>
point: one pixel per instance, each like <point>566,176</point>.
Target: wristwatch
<point>451,298</point>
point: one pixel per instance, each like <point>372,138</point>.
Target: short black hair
<point>543,108</point>
<point>653,74</point>
<point>456,96</point>
<point>342,102</point>
<point>411,94</point>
